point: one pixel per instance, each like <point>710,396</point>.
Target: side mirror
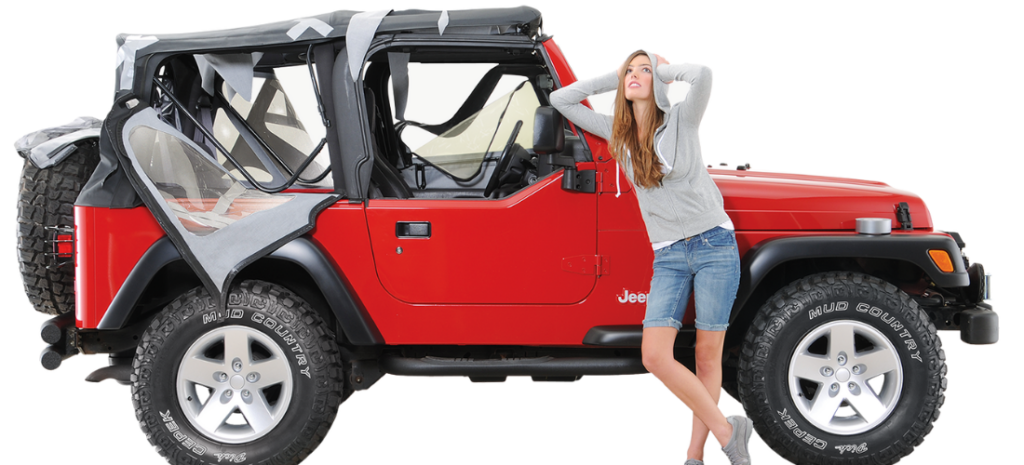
<point>548,131</point>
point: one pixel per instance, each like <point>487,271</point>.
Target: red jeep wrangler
<point>288,249</point>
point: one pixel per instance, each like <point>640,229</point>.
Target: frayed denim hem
<point>663,323</point>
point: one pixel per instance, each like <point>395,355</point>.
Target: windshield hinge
<point>579,180</point>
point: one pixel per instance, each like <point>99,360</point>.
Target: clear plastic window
<point>461,150</point>
<point>277,120</point>
<point>201,194</point>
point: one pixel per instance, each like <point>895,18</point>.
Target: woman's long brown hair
<point>646,166</point>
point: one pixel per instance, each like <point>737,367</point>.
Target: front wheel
<point>842,367</point>
<point>259,380</point>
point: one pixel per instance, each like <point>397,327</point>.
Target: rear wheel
<point>842,367</point>
<point>46,205</point>
<point>260,380</point>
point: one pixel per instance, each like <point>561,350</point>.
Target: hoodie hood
<point>660,87</point>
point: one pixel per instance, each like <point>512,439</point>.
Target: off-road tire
<point>281,320</point>
<point>46,198</point>
<point>791,319</point>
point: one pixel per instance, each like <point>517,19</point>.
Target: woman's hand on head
<point>663,61</point>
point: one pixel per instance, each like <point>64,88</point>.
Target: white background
<point>925,96</point>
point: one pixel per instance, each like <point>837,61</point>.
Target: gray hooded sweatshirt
<point>688,202</point>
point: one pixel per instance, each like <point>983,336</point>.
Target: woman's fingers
<point>663,61</point>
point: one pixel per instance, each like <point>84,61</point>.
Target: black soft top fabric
<point>397,21</point>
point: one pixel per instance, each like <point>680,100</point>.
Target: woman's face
<point>638,79</point>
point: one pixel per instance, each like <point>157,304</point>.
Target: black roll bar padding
<point>266,147</point>
<point>227,154</point>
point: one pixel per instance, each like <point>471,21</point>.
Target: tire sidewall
<point>874,303</point>
<point>293,328</point>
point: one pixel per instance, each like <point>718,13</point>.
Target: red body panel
<point>517,250</point>
<point>108,244</point>
<point>784,202</point>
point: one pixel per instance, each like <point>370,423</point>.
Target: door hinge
<point>579,181</point>
<point>586,264</point>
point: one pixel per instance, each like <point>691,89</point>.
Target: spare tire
<point>46,201</point>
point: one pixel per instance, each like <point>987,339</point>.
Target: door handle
<point>419,229</point>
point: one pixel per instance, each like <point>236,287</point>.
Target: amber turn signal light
<point>941,259</point>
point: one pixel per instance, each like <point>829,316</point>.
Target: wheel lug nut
<point>826,371</point>
<point>857,370</point>
<point>841,358</point>
<point>835,387</point>
<point>253,377</point>
<point>227,394</point>
<point>236,365</point>
<point>245,393</point>
<point>220,376</point>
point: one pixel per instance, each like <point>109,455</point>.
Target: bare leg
<point>709,371</point>
<point>658,359</point>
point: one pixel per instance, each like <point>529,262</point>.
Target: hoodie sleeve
<point>692,108</point>
<point>567,101</point>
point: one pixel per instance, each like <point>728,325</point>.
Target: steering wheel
<point>503,160</point>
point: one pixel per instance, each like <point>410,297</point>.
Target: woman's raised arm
<point>567,101</point>
<point>699,77</point>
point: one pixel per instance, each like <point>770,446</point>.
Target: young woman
<point>694,244</point>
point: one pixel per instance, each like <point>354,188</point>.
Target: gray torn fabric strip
<point>399,64</point>
<point>236,69</point>
<point>306,24</point>
<point>442,22</point>
<point>361,29</point>
<point>219,254</point>
<point>48,147</point>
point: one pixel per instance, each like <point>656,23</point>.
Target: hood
<point>789,202</point>
<point>660,87</point>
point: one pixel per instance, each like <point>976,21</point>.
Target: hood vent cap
<point>874,226</point>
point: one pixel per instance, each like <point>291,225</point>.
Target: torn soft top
<point>519,20</point>
<point>47,147</point>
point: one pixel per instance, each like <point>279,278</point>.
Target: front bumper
<point>979,325</point>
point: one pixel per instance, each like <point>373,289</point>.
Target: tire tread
<point>752,389</point>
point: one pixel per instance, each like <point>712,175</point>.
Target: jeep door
<point>446,242</point>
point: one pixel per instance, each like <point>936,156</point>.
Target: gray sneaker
<point>693,462</point>
<point>736,449</point>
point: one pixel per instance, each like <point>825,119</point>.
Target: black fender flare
<point>353,318</point>
<point>762,258</point>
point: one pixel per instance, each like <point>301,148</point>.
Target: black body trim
<point>355,321</point>
<point>159,255</point>
<point>765,256</point>
<point>535,366</point>
<point>632,335</point>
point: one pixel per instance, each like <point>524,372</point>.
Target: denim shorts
<point>707,264</point>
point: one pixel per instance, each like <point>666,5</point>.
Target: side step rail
<point>537,366</point>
